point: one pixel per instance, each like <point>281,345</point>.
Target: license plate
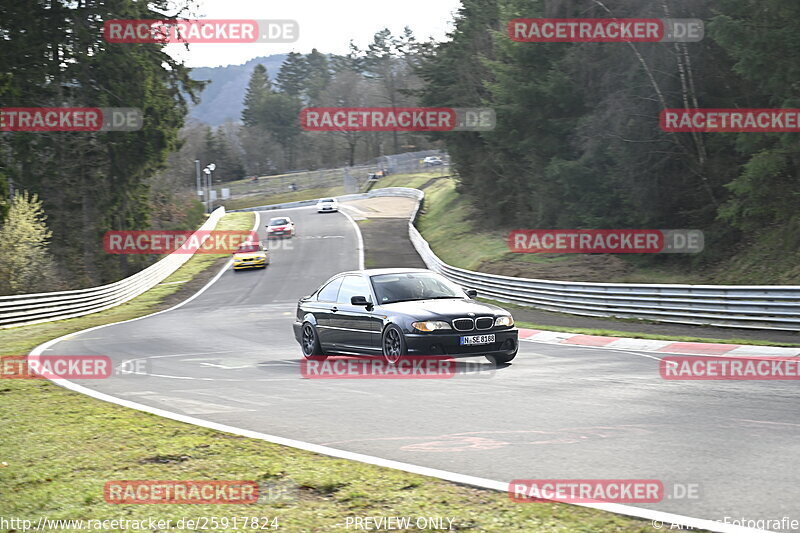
<point>471,340</point>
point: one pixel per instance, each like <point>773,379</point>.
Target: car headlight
<point>430,325</point>
<point>504,321</point>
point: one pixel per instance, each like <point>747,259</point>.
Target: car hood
<point>433,309</point>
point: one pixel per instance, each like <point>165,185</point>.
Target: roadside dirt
<point>600,268</point>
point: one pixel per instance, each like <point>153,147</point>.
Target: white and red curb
<point>648,345</point>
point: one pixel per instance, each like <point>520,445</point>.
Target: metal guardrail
<point>25,309</point>
<point>742,306</point>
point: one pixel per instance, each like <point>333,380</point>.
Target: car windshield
<point>278,222</point>
<point>327,200</point>
<point>248,247</point>
<point>408,286</point>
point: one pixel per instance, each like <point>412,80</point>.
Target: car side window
<point>329,291</point>
<point>353,286</point>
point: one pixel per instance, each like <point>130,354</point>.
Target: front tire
<point>393,343</point>
<point>310,343</point>
<point>501,359</point>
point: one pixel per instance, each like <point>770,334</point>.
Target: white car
<point>432,161</point>
<point>326,205</point>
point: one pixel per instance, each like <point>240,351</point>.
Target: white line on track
<point>360,240</point>
<point>665,519</point>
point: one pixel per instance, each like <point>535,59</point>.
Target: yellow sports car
<point>250,255</point>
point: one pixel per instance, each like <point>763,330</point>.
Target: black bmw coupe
<point>396,312</point>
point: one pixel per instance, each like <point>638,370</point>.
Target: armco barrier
<point>24,309</point>
<point>741,306</point>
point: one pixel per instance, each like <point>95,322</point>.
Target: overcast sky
<point>327,25</point>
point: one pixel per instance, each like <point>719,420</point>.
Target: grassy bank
<point>454,229</point>
<point>55,462</point>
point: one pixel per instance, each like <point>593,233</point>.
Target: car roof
<point>280,218</point>
<point>379,271</point>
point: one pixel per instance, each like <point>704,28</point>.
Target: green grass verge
<point>446,223</point>
<point>58,448</point>
<point>257,200</point>
<point>451,225</point>
<point>63,447</point>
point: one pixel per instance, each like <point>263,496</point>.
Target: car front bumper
<point>506,343</point>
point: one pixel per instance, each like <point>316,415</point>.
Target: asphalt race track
<point>562,412</point>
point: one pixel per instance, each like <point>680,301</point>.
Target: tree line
<point>52,54</point>
<point>578,142</point>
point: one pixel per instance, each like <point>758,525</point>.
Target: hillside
<point>450,223</point>
<point>221,100</point>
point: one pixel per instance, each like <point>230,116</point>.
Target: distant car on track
<point>399,312</point>
<point>327,205</point>
<point>280,227</point>
<point>432,161</point>
<point>250,255</point>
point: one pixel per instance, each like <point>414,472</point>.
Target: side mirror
<point>472,293</point>
<point>359,300</point>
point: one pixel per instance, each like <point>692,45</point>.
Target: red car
<point>280,227</point>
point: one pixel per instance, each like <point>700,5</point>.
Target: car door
<point>355,328</point>
<point>323,308</point>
